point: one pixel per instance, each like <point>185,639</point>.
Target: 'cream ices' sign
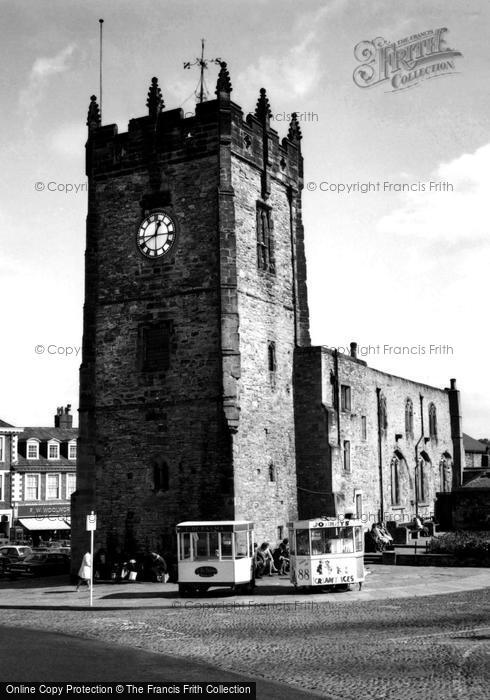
<point>406,62</point>
<point>324,572</point>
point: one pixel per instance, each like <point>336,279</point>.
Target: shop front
<point>42,524</point>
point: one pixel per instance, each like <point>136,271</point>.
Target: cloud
<point>457,219</point>
<point>69,140</point>
<point>296,72</point>
<point>43,69</point>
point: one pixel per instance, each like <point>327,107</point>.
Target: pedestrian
<point>85,571</point>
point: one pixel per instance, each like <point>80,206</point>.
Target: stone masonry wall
<point>266,430</point>
<point>346,425</point>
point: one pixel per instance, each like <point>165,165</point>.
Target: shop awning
<point>45,523</point>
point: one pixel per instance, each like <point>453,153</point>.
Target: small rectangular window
<point>155,346</point>
<point>32,487</point>
<point>52,486</point>
<point>53,451</point>
<point>32,450</point>
<point>2,449</point>
<point>363,428</point>
<point>271,362</point>
<point>71,484</point>
<point>347,455</point>
<point>72,451</point>
<point>345,397</point>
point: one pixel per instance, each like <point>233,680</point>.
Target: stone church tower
<point>195,299</point>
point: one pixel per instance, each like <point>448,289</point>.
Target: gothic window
<point>422,481</point>
<point>347,455</point>
<point>409,419</point>
<point>395,480</point>
<point>432,422</point>
<point>265,242</point>
<point>345,397</point>
<point>446,472</point>
<point>160,475</point>
<point>154,352</point>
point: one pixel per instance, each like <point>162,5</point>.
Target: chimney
<point>353,350</point>
<point>63,417</point>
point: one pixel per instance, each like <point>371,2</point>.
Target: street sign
<point>91,522</point>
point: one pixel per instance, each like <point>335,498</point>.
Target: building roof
<point>4,424</point>
<point>61,434</point>
<point>472,445</point>
<point>482,481</point>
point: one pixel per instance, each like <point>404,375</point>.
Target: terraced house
<point>39,478</point>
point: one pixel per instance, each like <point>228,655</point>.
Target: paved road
<point>394,647</point>
<point>36,655</point>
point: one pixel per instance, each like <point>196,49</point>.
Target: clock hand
<point>154,234</point>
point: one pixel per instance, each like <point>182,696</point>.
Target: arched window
<point>395,481</point>
<point>398,478</point>
<point>432,422</point>
<point>409,419</point>
<point>422,481</point>
<point>446,472</point>
<point>160,475</point>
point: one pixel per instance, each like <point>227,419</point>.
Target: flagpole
<point>101,22</point>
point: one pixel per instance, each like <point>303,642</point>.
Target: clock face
<point>156,235</point>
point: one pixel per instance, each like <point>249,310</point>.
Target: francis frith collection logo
<point>406,62</point>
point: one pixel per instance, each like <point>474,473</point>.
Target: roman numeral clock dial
<point>156,235</point>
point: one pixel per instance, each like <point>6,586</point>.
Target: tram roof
<point>215,525</point>
<point>324,522</point>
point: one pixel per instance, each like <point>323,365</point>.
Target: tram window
<point>292,542</point>
<point>241,547</point>
<point>347,538</point>
<point>358,538</point>
<point>213,546</point>
<point>205,545</point>
<point>303,542</point>
<point>317,542</point>
<point>185,545</point>
<point>333,543</point>
<point>201,545</point>
<point>226,545</point>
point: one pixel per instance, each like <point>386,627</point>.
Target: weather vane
<point>201,90</point>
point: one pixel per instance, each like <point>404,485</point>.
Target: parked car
<point>41,564</point>
<point>15,552</point>
<point>4,564</point>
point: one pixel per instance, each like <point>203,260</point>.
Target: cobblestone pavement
<point>394,648</point>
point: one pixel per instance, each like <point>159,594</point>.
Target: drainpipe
<point>380,457</point>
<point>417,453</point>
<point>337,392</point>
<point>290,196</point>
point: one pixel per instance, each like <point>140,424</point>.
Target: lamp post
<point>15,514</point>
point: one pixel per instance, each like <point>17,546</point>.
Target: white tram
<point>326,552</point>
<point>215,553</point>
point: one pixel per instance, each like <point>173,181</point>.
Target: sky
<point>402,273</point>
